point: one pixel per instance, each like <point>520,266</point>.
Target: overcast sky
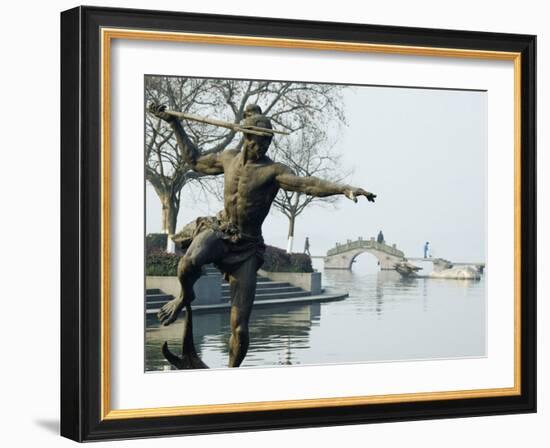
<point>423,152</point>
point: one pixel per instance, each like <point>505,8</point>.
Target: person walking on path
<point>306,246</point>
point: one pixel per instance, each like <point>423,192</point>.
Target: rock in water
<point>459,273</point>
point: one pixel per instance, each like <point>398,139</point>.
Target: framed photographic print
<point>273,223</point>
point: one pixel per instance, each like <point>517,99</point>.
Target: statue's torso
<point>249,190</point>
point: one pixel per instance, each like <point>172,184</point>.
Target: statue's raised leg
<point>205,248</point>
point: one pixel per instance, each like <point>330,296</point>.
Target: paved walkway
<point>327,296</point>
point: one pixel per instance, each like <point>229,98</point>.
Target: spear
<point>256,130</point>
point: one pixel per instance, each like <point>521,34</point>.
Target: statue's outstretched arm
<point>207,164</point>
<point>315,186</point>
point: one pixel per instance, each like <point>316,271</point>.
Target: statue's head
<point>256,146</point>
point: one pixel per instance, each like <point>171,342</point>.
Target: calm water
<point>385,318</point>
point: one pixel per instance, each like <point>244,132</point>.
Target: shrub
<point>161,263</point>
<point>158,262</point>
<point>277,260</point>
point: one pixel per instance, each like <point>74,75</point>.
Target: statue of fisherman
<point>232,240</point>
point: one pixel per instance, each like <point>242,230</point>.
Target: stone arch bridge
<point>343,255</point>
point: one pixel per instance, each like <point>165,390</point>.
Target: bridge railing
<point>365,244</point>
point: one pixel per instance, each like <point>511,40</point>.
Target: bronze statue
<point>232,240</point>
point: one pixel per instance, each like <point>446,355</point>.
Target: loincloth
<point>238,246</point>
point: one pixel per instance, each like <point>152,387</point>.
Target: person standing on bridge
<point>306,247</point>
<point>426,249</point>
<point>380,237</point>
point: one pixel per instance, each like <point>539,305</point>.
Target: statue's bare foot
<point>170,311</point>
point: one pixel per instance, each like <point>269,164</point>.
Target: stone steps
<point>281,295</point>
<point>153,291</point>
<point>265,290</point>
<point>261,286</point>
<point>330,296</point>
<point>155,301</point>
<point>282,292</point>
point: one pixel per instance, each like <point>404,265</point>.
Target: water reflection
<point>277,334</point>
<point>385,318</point>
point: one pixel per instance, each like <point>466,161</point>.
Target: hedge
<point>159,262</point>
<point>278,260</point>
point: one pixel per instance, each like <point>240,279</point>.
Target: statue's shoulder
<point>281,168</point>
<point>269,162</point>
<point>230,153</point>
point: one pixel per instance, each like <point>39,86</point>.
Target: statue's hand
<point>353,193</point>
<point>158,110</point>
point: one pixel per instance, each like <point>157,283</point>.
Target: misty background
<point>422,151</point>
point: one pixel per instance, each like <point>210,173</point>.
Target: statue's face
<point>255,146</point>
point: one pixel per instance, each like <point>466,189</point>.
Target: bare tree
<point>307,154</point>
<point>165,168</point>
<point>294,107</point>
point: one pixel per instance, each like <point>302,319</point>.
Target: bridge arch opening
<point>365,263</point>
